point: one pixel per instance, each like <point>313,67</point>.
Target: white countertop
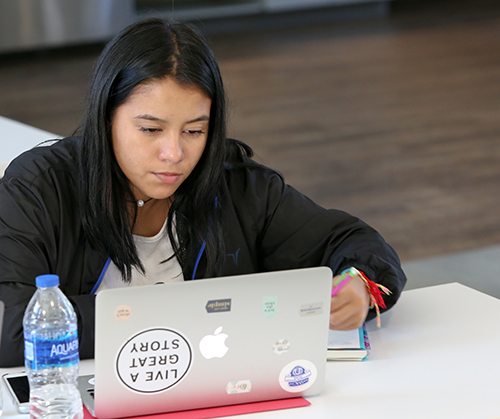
<point>436,356</point>
<point>16,137</point>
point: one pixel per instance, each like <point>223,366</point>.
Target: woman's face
<point>159,135</point>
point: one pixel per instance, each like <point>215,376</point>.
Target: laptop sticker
<point>269,306</point>
<point>298,376</point>
<point>218,306</point>
<point>122,313</point>
<point>238,387</point>
<point>312,309</point>
<point>214,346</point>
<point>281,346</point>
<point>154,360</point>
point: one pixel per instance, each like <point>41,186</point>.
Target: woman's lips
<point>168,177</point>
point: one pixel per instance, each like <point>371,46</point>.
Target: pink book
<point>222,411</point>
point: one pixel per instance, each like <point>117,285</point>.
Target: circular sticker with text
<point>298,376</point>
<point>154,360</point>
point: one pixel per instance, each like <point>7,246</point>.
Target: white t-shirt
<point>151,251</point>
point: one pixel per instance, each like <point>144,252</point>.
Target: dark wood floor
<point>396,120</point>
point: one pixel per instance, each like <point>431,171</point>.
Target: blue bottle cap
<point>44,281</point>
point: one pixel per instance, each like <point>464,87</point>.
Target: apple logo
<point>214,346</point>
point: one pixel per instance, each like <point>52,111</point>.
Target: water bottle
<point>51,352</point>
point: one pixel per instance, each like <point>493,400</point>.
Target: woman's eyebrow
<point>199,119</point>
<point>149,117</point>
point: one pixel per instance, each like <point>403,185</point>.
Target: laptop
<point>2,308</point>
<point>214,342</point>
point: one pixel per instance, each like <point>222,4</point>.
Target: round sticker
<point>154,360</point>
<point>122,313</point>
<point>298,376</point>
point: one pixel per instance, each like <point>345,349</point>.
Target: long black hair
<point>151,49</point>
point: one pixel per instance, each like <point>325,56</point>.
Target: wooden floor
<point>396,120</point>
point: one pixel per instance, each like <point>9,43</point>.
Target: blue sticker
<point>298,377</point>
<point>218,306</point>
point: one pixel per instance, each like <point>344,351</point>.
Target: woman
<point>151,190</point>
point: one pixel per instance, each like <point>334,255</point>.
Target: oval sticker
<point>298,376</point>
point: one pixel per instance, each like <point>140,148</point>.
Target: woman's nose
<point>171,150</point>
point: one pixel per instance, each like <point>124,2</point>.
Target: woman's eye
<point>149,130</point>
<point>193,133</point>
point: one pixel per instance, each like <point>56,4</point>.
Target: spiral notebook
<point>349,345</point>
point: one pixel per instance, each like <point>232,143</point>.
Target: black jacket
<point>267,224</point>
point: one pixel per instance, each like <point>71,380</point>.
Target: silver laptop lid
<point>2,308</point>
<point>212,342</point>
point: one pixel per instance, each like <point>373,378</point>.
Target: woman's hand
<point>350,306</point>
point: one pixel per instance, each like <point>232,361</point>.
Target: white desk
<point>437,355</point>
<point>16,138</point>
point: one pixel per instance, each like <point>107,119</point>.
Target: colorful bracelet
<point>343,279</point>
<point>374,290</point>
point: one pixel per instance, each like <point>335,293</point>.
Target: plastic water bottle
<point>51,352</point>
